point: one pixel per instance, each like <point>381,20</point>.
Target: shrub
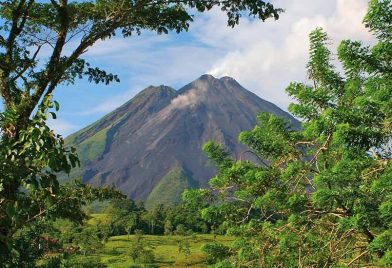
<point>215,252</point>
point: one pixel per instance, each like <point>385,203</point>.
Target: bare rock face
<point>162,129</point>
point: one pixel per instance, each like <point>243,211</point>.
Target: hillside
<point>169,189</point>
<point>161,130</point>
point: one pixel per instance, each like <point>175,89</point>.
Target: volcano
<point>150,148</point>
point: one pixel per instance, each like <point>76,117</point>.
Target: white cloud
<point>112,103</point>
<point>170,65</point>
<point>62,127</point>
<point>189,98</point>
<point>118,46</point>
<point>266,57</point>
<point>262,56</point>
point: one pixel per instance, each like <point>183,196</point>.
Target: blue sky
<point>263,57</point>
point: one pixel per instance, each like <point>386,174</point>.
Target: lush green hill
<point>169,189</point>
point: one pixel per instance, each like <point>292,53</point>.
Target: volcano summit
<point>150,147</point>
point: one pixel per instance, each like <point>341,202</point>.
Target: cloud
<point>118,46</point>
<point>262,56</point>
<point>172,65</point>
<point>266,57</point>
<point>111,103</point>
<point>62,127</point>
<point>191,97</point>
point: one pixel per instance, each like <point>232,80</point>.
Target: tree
<point>124,215</point>
<point>184,247</point>
<point>154,219</point>
<point>321,195</point>
<point>216,252</point>
<point>88,240</point>
<point>180,230</point>
<point>30,153</point>
<point>30,244</point>
<point>141,251</point>
<point>168,228</point>
<point>187,212</point>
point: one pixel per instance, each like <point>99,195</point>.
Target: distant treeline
<point>124,216</point>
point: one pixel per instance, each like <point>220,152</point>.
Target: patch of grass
<point>169,189</point>
<point>116,252</point>
<point>94,146</point>
<point>88,150</point>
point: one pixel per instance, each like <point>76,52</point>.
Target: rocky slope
<point>161,130</point>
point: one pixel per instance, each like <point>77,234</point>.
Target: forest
<point>318,195</point>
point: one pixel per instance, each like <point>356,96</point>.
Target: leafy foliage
<point>96,239</point>
<point>117,251</point>
<point>28,185</point>
<point>88,240</point>
<point>319,196</point>
<point>216,252</point>
<point>141,252</point>
<point>30,153</point>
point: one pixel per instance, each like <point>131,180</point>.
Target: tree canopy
<point>31,154</point>
<point>29,27</point>
<point>319,196</point>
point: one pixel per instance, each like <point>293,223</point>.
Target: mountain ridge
<point>162,129</point>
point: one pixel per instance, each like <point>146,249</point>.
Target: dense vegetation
<point>121,232</point>
<point>319,196</point>
<point>31,154</point>
<point>151,251</point>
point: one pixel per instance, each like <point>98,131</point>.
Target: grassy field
<point>116,252</point>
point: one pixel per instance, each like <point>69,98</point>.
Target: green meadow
<point>116,252</point>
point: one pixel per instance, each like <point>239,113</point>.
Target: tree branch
<point>356,258</point>
<point>52,68</point>
<point>32,60</point>
<point>9,47</point>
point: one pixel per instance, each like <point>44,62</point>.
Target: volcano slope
<point>160,133</point>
